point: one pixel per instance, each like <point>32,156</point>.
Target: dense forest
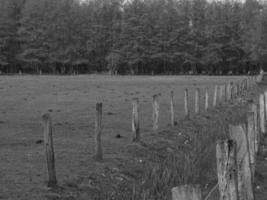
<point>133,37</point>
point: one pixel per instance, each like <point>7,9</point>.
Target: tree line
<point>133,37</point>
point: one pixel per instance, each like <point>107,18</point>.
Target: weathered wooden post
<point>215,96</point>
<point>265,104</point>
<point>135,121</point>
<point>251,137</point>
<point>254,109</point>
<point>172,110</point>
<point>262,117</point>
<point>228,92</point>
<point>227,169</point>
<point>221,93</point>
<point>155,115</point>
<point>49,150</point>
<point>245,188</point>
<point>187,192</point>
<point>197,98</point>
<point>98,154</point>
<point>186,107</point>
<point>225,92</point>
<point>238,88</point>
<point>206,99</point>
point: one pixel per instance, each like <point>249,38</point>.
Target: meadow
<point>71,102</point>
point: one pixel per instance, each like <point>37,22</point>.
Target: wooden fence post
<point>186,107</point>
<point>254,109</point>
<point>155,115</point>
<point>237,88</point>
<point>172,110</point>
<point>187,192</point>
<point>227,169</point>
<point>265,104</point>
<point>229,92</point>
<point>206,99</point>
<point>251,137</point>
<point>215,96</point>
<point>262,117</point>
<point>135,121</point>
<point>197,98</point>
<point>98,154</point>
<point>225,92</point>
<point>245,188</point>
<point>221,93</point>
<point>49,150</point>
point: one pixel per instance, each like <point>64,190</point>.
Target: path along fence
<point>235,156</point>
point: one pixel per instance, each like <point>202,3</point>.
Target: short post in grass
<point>228,92</point>
<point>186,106</point>
<point>197,99</point>
<point>237,88</point>
<point>262,118</point>
<point>251,137</point>
<point>221,93</point>
<point>206,99</point>
<point>265,104</point>
<point>245,188</point>
<point>155,115</point>
<point>254,109</point>
<point>135,121</point>
<point>227,169</point>
<point>49,150</point>
<point>98,153</point>
<point>187,192</point>
<point>172,110</point>
<point>225,92</point>
<point>214,103</point>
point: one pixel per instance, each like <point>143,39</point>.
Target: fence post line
<point>197,98</point>
<point>155,115</point>
<point>206,99</point>
<point>172,110</point>
<point>215,96</point>
<point>186,106</point>
<point>251,137</point>
<point>227,169</point>
<point>135,121</point>
<point>262,118</point>
<point>49,150</point>
<point>187,192</point>
<point>245,188</point>
<point>98,154</point>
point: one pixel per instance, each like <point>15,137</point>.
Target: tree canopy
<point>133,37</point>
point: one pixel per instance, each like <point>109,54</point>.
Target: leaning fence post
<point>245,188</point>
<point>135,121</point>
<point>227,169</point>
<point>187,192</point>
<point>172,110</point>
<point>206,99</point>
<point>186,108</point>
<point>262,120</point>
<point>251,137</point>
<point>197,98</point>
<point>215,96</point>
<point>49,150</point>
<point>155,115</point>
<point>98,154</point>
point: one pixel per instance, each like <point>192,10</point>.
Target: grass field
<point>71,101</point>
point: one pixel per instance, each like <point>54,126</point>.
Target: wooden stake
<point>254,109</point>
<point>262,117</point>
<point>225,92</point>
<point>251,138</point>
<point>187,192</point>
<point>49,150</point>
<point>197,98</point>
<point>135,121</point>
<point>215,96</point>
<point>221,93</point>
<point>186,107</point>
<point>206,99</point>
<point>245,189</point>
<point>155,115</point>
<point>265,104</point>
<point>228,92</point>
<point>172,110</point>
<point>227,169</point>
<point>98,154</point>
